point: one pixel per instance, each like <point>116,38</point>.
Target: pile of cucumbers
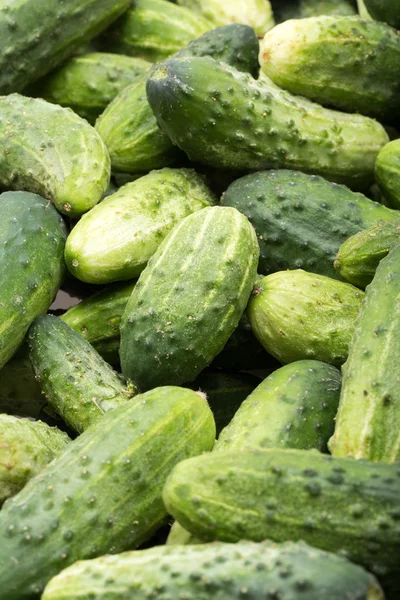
<point>218,417</point>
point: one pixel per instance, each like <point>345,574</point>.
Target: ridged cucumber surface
<point>384,10</point>
<point>387,172</point>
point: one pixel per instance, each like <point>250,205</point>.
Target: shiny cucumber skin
<point>198,281</point>
<point>235,122</point>
<point>51,151</point>
<point>69,512</point>
<point>116,239</point>
<point>368,420</point>
<point>358,72</point>
<point>387,172</point>
<point>384,10</point>
<point>32,240</point>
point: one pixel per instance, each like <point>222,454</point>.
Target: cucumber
<point>303,9</point>
<point>360,255</point>
<point>32,238</point>
<point>235,122</point>
<point>362,10</point>
<point>51,151</point>
<point>26,447</point>
<point>221,569</point>
<point>103,493</point>
<point>154,29</point>
<point>384,10</point>
<point>298,315</point>
<point>116,239</point>
<point>36,38</point>
<point>20,393</point>
<point>368,421</point>
<point>301,220</point>
<point>89,82</point>
<point>76,381</point>
<point>340,505</point>
<point>198,281</point>
<point>387,172</point>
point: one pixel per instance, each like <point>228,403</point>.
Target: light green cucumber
<point>387,172</point>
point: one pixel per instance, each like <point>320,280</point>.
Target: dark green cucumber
<point>103,493</point>
<point>362,10</point>
<point>340,505</point>
<point>301,220</point>
<point>20,393</point>
<point>387,172</point>
<point>360,255</point>
<point>303,9</point>
<point>26,447</point>
<point>76,381</point>
<point>198,281</point>
<point>51,151</point>
<point>224,571</point>
<point>384,10</point>
<point>32,240</point>
<point>232,121</point>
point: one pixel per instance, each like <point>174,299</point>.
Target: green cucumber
<point>362,10</point>
<point>223,571</point>
<point>235,122</point>
<point>360,255</point>
<point>387,172</point>
<point>26,447</point>
<point>298,315</point>
<point>20,393</point>
<point>384,10</point>
<point>103,493</point>
<point>198,281</point>
<point>51,151</point>
<point>301,220</point>
<point>368,420</point>
<point>334,504</point>
<point>303,9</point>
<point>116,239</point>
<point>32,238</point>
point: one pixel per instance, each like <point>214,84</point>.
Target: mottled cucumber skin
<point>189,299</point>
<point>223,569</point>
<point>301,220</point>
<point>154,29</point>
<point>298,315</point>
<point>344,506</point>
<point>26,447</point>
<point>51,151</point>
<point>387,172</point>
<point>116,239</point>
<point>103,493</point>
<point>303,9</point>
<point>89,82</point>
<point>255,13</point>
<point>234,122</point>
<point>359,256</point>
<point>358,73</point>
<point>384,10</point>
<point>20,393</point>
<point>32,240</point>
<point>75,379</point>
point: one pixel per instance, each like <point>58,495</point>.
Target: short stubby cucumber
<point>358,70</point>
<point>298,315</point>
<point>103,493</point>
<point>26,447</point>
<point>189,299</point>
<point>384,10</point>
<point>32,240</point>
<point>233,121</point>
<point>20,393</point>
<point>76,381</point>
<point>368,420</point>
<point>303,9</point>
<point>51,151</point>
<point>360,255</point>
<point>387,172</point>
<point>245,569</point>
<point>301,220</point>
<point>115,240</point>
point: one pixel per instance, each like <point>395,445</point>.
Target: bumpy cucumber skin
<point>198,281</point>
<point>255,13</point>
<point>235,122</point>
<point>339,505</point>
<point>301,220</point>
<point>384,10</point>
<point>36,37</point>
<point>76,381</point>
<point>368,420</point>
<point>387,172</point>
<point>298,315</point>
<point>51,151</point>
<point>154,29</point>
<point>26,447</point>
<point>32,239</point>
<point>89,82</point>
<point>359,256</point>
<point>116,239</point>
<point>303,9</point>
<point>68,513</point>
<point>223,569</point>
<point>358,73</point>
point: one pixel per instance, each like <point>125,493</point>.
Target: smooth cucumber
<point>387,172</point>
<point>384,10</point>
